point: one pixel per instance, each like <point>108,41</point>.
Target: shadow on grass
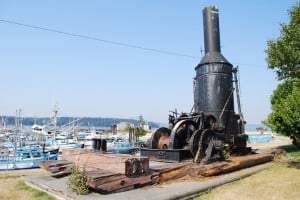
<point>294,152</point>
<point>295,164</point>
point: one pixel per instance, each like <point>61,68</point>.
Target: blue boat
<point>123,148</point>
<point>25,158</point>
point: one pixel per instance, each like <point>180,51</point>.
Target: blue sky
<point>97,79</point>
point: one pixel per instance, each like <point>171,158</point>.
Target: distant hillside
<point>85,121</point>
<point>96,122</point>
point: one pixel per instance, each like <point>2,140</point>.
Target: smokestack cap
<point>212,37</point>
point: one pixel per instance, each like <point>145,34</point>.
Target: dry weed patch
<point>13,188</point>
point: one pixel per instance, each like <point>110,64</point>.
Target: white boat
<point>61,142</point>
<point>42,130</point>
<point>85,137</point>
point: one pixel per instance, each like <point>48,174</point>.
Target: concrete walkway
<point>175,190</point>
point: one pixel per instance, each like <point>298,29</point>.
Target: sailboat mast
<point>55,110</point>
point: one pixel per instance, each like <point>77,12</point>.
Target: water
<point>259,138</point>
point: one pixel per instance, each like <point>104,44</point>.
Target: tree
<point>285,116</point>
<point>141,123</point>
<point>283,56</point>
<point>283,53</point>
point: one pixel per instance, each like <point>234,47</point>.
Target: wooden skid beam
<point>53,165</point>
<point>57,167</point>
<point>107,173</point>
<point>106,182</point>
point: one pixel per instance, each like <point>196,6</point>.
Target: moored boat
<point>24,158</point>
<point>124,148</point>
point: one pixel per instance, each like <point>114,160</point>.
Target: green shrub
<point>77,181</point>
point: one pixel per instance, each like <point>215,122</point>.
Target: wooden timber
<point>234,164</point>
<point>107,173</point>
<point>106,182</point>
<point>57,167</point>
<point>117,163</point>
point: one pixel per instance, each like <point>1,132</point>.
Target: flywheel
<point>160,138</point>
<point>182,133</point>
<point>205,146</point>
<point>194,142</point>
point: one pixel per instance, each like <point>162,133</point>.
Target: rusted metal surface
<point>170,155</point>
<point>137,165</point>
<point>156,139</point>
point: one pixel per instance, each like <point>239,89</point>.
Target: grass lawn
<point>281,181</point>
<point>13,188</point>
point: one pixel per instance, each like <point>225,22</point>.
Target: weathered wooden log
<point>171,172</point>
<point>234,164</point>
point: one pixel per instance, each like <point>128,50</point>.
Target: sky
<point>87,73</point>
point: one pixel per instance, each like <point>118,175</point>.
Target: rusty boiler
<point>213,127</point>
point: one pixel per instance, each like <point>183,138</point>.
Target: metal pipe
<point>211,29</point>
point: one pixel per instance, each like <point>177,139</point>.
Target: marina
<point>25,147</point>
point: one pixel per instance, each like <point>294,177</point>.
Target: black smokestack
<point>213,92</point>
<point>211,30</point>
<point>212,36</point>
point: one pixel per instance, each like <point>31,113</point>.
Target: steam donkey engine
<point>213,126</point>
